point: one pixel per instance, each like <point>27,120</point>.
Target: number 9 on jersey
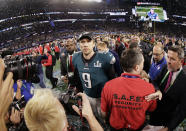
<point>87,80</point>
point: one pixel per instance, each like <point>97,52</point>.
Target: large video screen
<point>154,13</point>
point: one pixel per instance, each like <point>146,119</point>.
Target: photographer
<point>6,94</point>
<point>44,112</point>
<point>23,87</point>
<point>38,58</point>
<point>14,117</point>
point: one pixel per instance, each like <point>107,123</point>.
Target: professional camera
<point>76,122</point>
<point>22,67</point>
<point>68,99</point>
<point>18,105</point>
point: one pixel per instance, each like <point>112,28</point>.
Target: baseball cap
<point>86,35</point>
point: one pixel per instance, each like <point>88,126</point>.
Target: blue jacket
<point>156,68</point>
<point>25,89</point>
<point>39,65</point>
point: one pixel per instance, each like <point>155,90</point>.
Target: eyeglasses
<point>156,54</point>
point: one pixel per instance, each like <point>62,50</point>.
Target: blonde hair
<point>44,113</point>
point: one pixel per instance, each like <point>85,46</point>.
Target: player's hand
<point>154,96</point>
<point>86,108</point>
<point>144,76</point>
<point>6,90</point>
<point>65,79</point>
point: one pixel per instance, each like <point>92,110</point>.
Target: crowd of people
<point>122,78</point>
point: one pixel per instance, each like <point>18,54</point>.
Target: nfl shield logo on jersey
<point>97,64</point>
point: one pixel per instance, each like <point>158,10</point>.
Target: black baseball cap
<point>85,35</point>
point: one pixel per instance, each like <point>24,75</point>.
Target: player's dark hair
<point>130,58</point>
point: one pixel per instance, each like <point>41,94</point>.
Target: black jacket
<point>171,110</point>
<point>63,65</point>
<point>73,80</point>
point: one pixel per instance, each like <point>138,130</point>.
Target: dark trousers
<point>57,55</point>
<point>160,118</point>
<point>49,75</point>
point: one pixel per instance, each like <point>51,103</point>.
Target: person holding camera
<point>10,117</point>
<point>38,58</point>
<point>14,117</point>
<point>6,94</point>
<point>23,88</point>
<point>45,112</point>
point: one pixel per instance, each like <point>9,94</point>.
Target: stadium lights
<point>92,1</point>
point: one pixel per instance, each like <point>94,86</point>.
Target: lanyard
<point>68,62</point>
<point>127,76</point>
<point>164,78</point>
<point>25,87</point>
<point>31,90</point>
<point>166,75</point>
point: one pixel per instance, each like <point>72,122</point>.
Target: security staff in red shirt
<point>47,46</point>
<point>41,49</point>
<point>57,51</point>
<point>124,97</point>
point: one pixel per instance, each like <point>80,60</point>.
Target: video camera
<point>23,67</point>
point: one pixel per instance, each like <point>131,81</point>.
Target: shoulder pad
<point>113,60</point>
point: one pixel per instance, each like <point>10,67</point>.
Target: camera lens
<point>22,67</point>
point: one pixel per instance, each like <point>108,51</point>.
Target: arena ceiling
<point>12,7</point>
